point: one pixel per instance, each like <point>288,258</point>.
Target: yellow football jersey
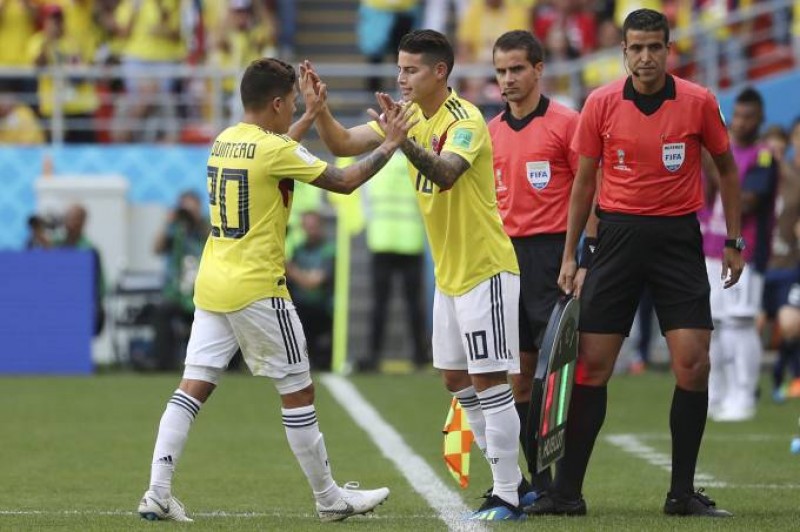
<point>464,228</point>
<point>250,183</point>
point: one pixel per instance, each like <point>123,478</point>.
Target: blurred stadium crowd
<point>151,70</point>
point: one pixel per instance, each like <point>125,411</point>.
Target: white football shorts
<point>269,333</point>
<point>478,331</point>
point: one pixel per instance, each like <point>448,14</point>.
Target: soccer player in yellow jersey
<point>240,293</point>
<point>475,309</point>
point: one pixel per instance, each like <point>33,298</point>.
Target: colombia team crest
<point>673,155</point>
<point>538,173</point>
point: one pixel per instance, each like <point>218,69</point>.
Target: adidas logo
<point>493,461</point>
<point>165,460</point>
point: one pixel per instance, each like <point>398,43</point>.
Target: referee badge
<point>538,173</point>
<point>672,155</point>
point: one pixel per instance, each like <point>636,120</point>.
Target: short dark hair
<point>646,20</point>
<point>265,79</point>
<point>521,40</point>
<point>433,45</point>
<point>750,96</point>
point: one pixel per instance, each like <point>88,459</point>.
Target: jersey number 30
<point>228,196</point>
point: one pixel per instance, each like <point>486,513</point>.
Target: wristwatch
<point>736,243</point>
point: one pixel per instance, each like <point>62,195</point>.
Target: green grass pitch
<point>75,455</point>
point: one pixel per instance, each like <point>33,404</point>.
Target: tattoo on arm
<point>443,169</point>
<point>348,179</point>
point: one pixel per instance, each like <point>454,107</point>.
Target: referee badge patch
<point>538,173</point>
<point>673,155</point>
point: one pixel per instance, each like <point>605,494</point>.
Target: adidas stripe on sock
<point>472,409</point>
<point>502,446</point>
<point>308,446</point>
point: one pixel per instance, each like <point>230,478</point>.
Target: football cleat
<point>525,491</point>
<point>550,504</point>
<point>353,501</point>
<point>694,504</point>
<point>496,509</point>
<point>154,508</point>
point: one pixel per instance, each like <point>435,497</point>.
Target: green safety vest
<point>394,224</point>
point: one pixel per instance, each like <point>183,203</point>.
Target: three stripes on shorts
<point>293,354</point>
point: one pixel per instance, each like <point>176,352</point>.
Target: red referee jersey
<point>534,167</point>
<point>651,164</point>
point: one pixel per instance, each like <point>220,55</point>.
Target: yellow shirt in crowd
<point>142,44</point>
<point>16,28</point>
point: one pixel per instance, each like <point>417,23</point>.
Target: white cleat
<point>352,502</point>
<point>154,508</point>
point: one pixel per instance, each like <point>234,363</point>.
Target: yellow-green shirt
<point>250,178</point>
<point>481,26</point>
<point>16,29</point>
<point>78,96</point>
<point>141,43</point>
<point>391,5</point>
<point>464,228</point>
<point>21,126</point>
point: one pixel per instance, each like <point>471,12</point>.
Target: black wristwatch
<point>736,243</point>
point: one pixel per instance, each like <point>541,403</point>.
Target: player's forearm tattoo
<point>443,169</point>
<point>348,179</point>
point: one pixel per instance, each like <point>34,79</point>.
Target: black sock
<point>687,421</point>
<point>786,351</point>
<point>587,411</point>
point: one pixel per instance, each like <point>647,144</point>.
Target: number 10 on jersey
<point>228,197</point>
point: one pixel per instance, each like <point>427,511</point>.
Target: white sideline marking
<point>446,501</point>
<point>79,513</point>
<point>633,444</point>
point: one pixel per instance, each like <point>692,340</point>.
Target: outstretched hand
<point>386,104</point>
<point>313,90</point>
<point>396,123</point>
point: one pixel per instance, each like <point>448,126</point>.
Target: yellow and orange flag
<point>457,443</point>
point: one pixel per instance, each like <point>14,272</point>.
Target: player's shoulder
<point>689,89</point>
<point>252,133</point>
<point>496,120</point>
<point>559,111</point>
<point>607,92</point>
<point>462,109</point>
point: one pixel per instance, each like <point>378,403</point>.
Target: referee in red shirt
<point>534,168</point>
<point>648,130</point>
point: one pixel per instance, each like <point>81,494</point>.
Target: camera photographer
<point>181,243</point>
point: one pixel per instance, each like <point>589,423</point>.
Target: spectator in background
<point>735,351</point>
<point>437,13</point>
<point>785,261</point>
<point>181,243</point>
<point>286,11</point>
<point>381,25</point>
<point>74,238</point>
<point>570,16</point>
<point>608,65</point>
<point>54,47</point>
<point>18,122</point>
<point>396,239</point>
<point>37,236</point>
<point>558,51</point>
<point>310,280</point>
<point>483,22</point>
<point>17,26</point>
<point>153,45</point>
<point>246,34</point>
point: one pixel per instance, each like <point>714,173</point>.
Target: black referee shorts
<point>539,259</point>
<point>661,252</point>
